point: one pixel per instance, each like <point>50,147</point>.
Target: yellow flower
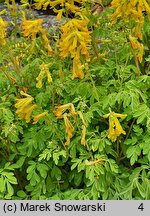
<point>69,129</point>
<point>77,70</point>
<point>46,41</point>
<point>115,128</point>
<point>3,12</point>
<point>60,113</point>
<point>25,107</point>
<point>58,6</point>
<point>83,135</point>
<point>38,117</point>
<point>12,9</point>
<point>75,39</point>
<point>131,10</point>
<point>3,26</point>
<point>137,48</point>
<point>24,3</point>
<point>31,27</point>
<point>25,112</point>
<point>43,73</point>
<point>61,110</point>
<point>23,102</point>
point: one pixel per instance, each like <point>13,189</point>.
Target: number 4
<point>141,207</point>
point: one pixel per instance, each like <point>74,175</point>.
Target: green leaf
<point>35,179</point>
<point>146,147</point>
<point>140,189</point>
<point>56,155</point>
<point>2,184</point>
<point>10,177</point>
<point>81,166</point>
<point>21,194</point>
<point>113,166</point>
<point>76,162</point>
<point>10,189</point>
<point>43,169</point>
<point>90,173</point>
<point>133,152</point>
<point>56,173</point>
<point>20,162</point>
<point>78,178</point>
<point>142,113</point>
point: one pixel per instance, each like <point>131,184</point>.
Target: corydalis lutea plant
<point>97,169</point>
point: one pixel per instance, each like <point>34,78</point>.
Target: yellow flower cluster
<point>44,72</point>
<point>12,9</point>
<point>132,11</point>
<point>3,26</point>
<point>25,107</point>
<point>137,48</point>
<point>66,6</point>
<point>61,113</point>
<point>115,128</point>
<point>75,41</point>
<point>19,50</point>
<point>31,28</point>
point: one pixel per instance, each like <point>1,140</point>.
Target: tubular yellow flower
<point>12,9</point>
<point>75,39</point>
<point>30,30</point>
<point>25,107</point>
<point>127,9</point>
<point>115,128</point>
<point>31,27</point>
<point>61,110</point>
<point>69,128</point>
<point>60,113</point>
<point>3,26</point>
<point>38,117</point>
<point>25,3</point>
<point>43,73</point>
<point>137,48</point>
<point>46,41</point>
<point>3,12</point>
<point>77,70</point>
<point>82,118</point>
<point>25,112</point>
<point>28,111</point>
<point>83,135</point>
<point>23,102</point>
<point>65,6</point>
<point>132,11</point>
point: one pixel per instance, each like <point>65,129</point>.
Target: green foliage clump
<point>103,158</point>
